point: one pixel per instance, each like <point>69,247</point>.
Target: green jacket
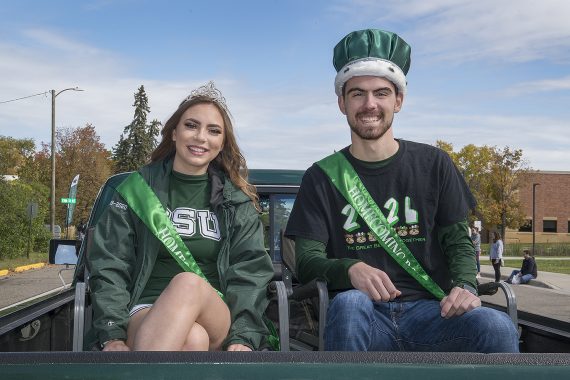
<point>124,251</point>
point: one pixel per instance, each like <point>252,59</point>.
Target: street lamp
<point>534,185</point>
<point>52,198</point>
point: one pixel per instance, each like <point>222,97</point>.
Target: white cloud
<point>465,30</point>
<point>545,85</point>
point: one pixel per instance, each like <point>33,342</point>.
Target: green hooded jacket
<point>123,253</point>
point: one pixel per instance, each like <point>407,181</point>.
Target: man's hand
<point>458,302</point>
<point>238,347</point>
<point>372,281</point>
<point>116,345</point>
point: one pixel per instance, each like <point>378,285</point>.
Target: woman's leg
<point>197,339</point>
<point>497,268</point>
<point>188,300</point>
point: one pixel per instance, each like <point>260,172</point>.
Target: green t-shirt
<point>189,211</point>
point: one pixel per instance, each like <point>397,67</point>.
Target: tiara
<point>210,92</point>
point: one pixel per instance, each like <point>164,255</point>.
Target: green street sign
<point>68,200</point>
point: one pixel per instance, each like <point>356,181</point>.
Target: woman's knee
<point>187,284</point>
<point>197,339</point>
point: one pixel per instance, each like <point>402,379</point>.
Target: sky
<point>486,72</point>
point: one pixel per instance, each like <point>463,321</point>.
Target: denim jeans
<point>524,279</point>
<point>356,323</point>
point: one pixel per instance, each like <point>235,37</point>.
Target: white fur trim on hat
<point>370,66</point>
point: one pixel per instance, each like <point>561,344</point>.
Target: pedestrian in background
<point>496,254</point>
<point>528,270</point>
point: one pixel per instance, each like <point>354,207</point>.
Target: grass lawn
<point>555,266</point>
<point>35,257</point>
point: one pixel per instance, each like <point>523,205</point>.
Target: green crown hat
<point>372,52</point>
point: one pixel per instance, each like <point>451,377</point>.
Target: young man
<point>384,222</point>
<point>528,270</point>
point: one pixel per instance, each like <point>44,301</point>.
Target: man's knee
<point>495,331</point>
<point>351,300</point>
<point>349,310</point>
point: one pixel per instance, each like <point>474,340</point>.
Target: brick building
<point>552,208</point>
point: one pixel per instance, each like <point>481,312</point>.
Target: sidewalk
<point>23,268</point>
<point>547,280</point>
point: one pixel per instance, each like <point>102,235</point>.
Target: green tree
<point>14,154</point>
<point>15,231</point>
<point>138,139</point>
<point>507,172</point>
<point>79,151</point>
<point>494,176</point>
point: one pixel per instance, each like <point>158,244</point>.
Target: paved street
<point>17,287</point>
<point>548,296</point>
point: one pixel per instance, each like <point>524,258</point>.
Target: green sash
<point>346,180</point>
<point>144,202</point>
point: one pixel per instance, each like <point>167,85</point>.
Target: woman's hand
<point>238,347</point>
<point>116,345</point>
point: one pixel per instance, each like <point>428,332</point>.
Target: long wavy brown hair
<point>230,159</point>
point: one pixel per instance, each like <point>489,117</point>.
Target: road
<point>17,287</point>
<point>546,302</point>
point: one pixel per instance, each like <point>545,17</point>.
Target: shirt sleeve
<point>460,253</point>
<point>312,263</point>
<point>250,271</point>
<point>111,263</point>
<point>455,198</point>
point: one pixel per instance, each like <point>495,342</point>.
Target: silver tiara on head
<point>210,92</point>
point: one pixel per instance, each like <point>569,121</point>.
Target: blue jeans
<point>356,323</point>
<point>524,278</point>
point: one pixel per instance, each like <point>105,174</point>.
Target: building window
<point>526,226</point>
<point>549,226</point>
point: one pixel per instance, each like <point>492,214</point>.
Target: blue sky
<point>494,72</point>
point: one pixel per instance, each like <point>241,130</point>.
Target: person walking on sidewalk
<point>528,271</point>
<point>496,254</point>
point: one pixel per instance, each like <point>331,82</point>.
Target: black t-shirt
<point>419,190</point>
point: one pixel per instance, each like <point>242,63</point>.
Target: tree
<point>507,173</point>
<point>494,176</point>
<point>79,151</point>
<point>15,231</point>
<point>138,139</point>
<point>14,154</point>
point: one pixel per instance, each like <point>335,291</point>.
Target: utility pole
<point>534,185</point>
<point>52,193</point>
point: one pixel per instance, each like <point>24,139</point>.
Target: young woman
<point>496,254</point>
<point>142,298</point>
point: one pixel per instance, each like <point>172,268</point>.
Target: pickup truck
<point>36,338</point>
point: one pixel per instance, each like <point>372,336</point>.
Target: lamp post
<point>534,185</point>
<point>52,197</point>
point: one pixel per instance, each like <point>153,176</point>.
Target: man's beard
<point>371,133</point>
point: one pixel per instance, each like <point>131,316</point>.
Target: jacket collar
<point>157,175</point>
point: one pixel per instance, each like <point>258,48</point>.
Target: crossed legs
<point>188,316</point>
